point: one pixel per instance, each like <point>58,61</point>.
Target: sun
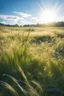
<point>47,15</point>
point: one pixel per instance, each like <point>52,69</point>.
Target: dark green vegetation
<point>52,24</point>
<point>40,54</point>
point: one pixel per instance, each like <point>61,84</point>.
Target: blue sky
<point>28,11</point>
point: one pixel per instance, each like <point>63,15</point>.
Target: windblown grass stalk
<point>30,91</point>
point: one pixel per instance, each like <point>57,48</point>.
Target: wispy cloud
<point>9,17</point>
<point>18,18</point>
<point>34,18</point>
<point>24,15</point>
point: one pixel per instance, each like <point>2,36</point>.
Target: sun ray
<point>47,14</point>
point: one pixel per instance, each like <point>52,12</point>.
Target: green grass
<point>40,54</point>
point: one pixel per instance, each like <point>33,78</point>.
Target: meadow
<point>31,61</point>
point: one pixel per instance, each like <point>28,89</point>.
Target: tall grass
<point>30,89</point>
<point>41,59</point>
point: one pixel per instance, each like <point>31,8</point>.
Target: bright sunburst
<point>48,15</point>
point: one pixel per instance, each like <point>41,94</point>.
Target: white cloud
<point>14,19</point>
<point>3,17</point>
<point>34,18</point>
<point>9,17</point>
<point>24,15</point>
<point>20,18</point>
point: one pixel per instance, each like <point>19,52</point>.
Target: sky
<point>29,11</point>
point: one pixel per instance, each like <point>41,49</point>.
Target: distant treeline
<point>53,24</point>
<point>2,24</point>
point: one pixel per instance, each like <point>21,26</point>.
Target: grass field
<point>32,61</point>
